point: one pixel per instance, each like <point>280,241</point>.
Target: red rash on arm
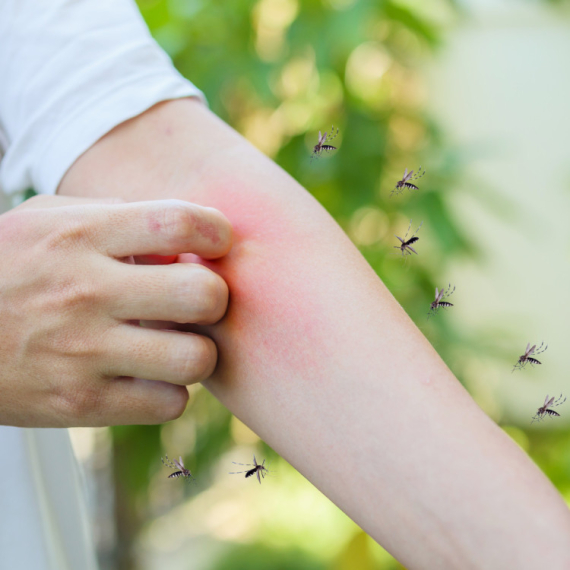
<point>266,303</point>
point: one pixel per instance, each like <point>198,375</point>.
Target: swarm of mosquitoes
<point>405,246</point>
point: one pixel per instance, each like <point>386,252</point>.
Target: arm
<point>318,358</point>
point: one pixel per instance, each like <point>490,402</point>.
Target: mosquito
<point>178,466</point>
<point>439,302</point>
<point>527,357</point>
<point>257,469</point>
<point>545,409</point>
<point>406,181</point>
<point>320,146</point>
<point>406,246</point>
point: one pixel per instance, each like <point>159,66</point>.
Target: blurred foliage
<point>261,557</point>
<point>279,71</point>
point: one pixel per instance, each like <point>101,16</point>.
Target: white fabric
<point>70,71</point>
<point>43,518</point>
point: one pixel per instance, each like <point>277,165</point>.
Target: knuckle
<point>76,295</point>
<point>79,404</point>
<point>19,224</point>
<point>68,232</point>
<point>180,221</point>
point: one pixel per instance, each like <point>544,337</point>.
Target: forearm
<point>318,358</point>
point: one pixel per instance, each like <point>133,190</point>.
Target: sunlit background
<point>477,92</point>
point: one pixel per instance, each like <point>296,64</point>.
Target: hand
<point>71,350</point>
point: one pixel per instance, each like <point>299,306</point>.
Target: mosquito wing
<point>550,402</point>
<point>545,400</point>
<point>532,349</point>
<point>440,295</point>
<point>179,463</point>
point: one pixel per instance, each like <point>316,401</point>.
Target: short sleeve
<point>70,71</point>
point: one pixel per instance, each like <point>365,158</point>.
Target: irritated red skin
<point>266,302</point>
<point>154,225</point>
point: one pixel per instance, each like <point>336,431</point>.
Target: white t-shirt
<point>70,71</point>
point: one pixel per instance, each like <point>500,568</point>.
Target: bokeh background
<point>478,93</point>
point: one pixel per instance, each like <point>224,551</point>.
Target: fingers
<point>126,401</point>
<point>43,201</point>
<point>181,292</point>
<point>175,357</point>
<point>160,227</point>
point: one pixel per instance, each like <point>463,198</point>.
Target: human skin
<point>70,354</point>
<point>317,357</point>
